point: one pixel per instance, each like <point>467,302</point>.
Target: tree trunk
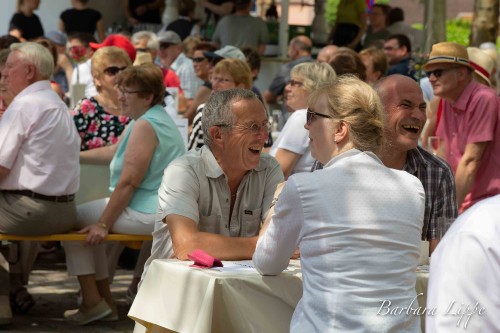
<point>484,22</point>
<point>435,23</point>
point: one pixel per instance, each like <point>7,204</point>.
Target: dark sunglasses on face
<point>311,114</point>
<point>139,49</point>
<point>113,70</point>
<point>198,59</point>
<point>294,83</point>
<point>438,72</point>
<point>164,46</point>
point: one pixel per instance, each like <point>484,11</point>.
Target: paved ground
<point>55,292</point>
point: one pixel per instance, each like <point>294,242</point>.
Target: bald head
<point>326,53</point>
<point>393,85</point>
<point>405,108</point>
<point>299,46</point>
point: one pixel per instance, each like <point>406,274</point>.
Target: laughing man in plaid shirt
<point>405,118</point>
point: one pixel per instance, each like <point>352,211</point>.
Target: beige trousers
<point>23,215</point>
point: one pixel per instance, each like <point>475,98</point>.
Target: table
<point>235,299</point>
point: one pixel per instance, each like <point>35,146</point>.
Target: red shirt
<point>170,79</point>
<point>474,118</point>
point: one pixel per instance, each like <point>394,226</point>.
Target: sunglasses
<point>198,59</point>
<point>311,114</point>
<point>438,72</point>
<point>164,46</point>
<point>294,83</point>
<point>113,70</point>
<point>139,49</point>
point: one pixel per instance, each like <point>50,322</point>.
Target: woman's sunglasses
<point>113,70</point>
<point>198,59</point>
<point>311,114</point>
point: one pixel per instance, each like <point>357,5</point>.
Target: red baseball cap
<point>119,41</point>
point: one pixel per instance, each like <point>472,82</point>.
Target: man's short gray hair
<point>37,55</point>
<point>217,110</point>
<point>153,44</point>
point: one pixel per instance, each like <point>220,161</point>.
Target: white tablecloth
<point>185,299</point>
<point>176,297</point>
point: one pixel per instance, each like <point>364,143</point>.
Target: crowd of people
<point>349,178</point>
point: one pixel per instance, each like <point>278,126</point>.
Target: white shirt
<point>465,271</point>
<point>39,143</point>
<point>190,83</point>
<point>82,74</point>
<point>358,224</point>
<point>295,138</point>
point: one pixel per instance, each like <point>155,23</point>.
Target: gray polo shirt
<point>195,186</point>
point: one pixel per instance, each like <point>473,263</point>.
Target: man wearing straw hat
<point>470,123</point>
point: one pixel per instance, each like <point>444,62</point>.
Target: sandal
<point>21,301</point>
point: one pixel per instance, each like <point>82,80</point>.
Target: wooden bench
<point>132,241</point>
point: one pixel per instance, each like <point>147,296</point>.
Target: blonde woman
<point>291,148</point>
<point>345,218</point>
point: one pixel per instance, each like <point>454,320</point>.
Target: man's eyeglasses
<point>311,114</point>
<point>438,72</point>
<point>254,128</point>
<point>198,59</point>
<point>113,70</point>
<point>294,83</point>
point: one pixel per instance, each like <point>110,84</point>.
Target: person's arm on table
<point>186,237</point>
<point>467,169</point>
<point>139,151</point>
<point>280,236</point>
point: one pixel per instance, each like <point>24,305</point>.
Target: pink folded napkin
<point>203,260</point>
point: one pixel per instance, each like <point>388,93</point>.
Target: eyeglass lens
<point>113,70</point>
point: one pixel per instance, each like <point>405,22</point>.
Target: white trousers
<point>84,259</point>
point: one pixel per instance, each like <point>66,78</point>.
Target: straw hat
<point>482,63</point>
<point>448,53</point>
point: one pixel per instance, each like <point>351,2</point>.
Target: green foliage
<point>458,31</point>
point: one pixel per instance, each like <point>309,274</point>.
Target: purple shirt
<point>474,118</point>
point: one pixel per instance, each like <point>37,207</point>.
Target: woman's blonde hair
<point>238,69</point>
<point>314,75</point>
<point>356,103</point>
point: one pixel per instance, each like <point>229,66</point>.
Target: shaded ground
<point>55,292</point>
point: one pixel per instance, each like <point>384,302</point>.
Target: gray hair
<point>153,44</point>
<point>37,55</point>
<point>217,110</point>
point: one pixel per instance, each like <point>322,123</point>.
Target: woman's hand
<point>96,233</point>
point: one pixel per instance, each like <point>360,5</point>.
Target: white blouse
<point>358,224</point>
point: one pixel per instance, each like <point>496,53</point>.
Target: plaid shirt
<point>439,185</point>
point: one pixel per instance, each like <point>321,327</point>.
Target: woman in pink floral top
<point>98,118</point>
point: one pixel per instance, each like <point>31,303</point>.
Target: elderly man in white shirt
<point>39,160</point>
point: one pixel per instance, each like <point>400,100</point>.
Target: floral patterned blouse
<point>96,127</point>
